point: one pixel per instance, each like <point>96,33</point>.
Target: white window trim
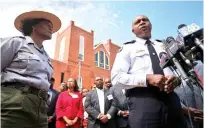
<point>81,82</point>
<point>103,59</point>
<point>83,47</point>
<point>107,65</point>
<point>98,59</point>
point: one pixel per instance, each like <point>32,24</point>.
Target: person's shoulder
<point>158,42</point>
<point>13,39</point>
<point>91,92</point>
<point>19,37</point>
<point>129,42</point>
<point>127,45</point>
<point>55,91</point>
<point>78,93</point>
<point>63,93</point>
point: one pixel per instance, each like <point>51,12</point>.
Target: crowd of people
<point>103,106</point>
<point>139,93</point>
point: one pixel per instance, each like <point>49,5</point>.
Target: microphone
<point>171,51</point>
<point>179,38</point>
<point>173,45</point>
<point>164,60</point>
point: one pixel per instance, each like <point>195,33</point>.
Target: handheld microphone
<point>164,60</point>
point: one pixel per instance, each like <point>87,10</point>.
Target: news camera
<point>192,37</point>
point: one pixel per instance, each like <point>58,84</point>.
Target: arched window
<point>62,47</point>
<point>96,59</point>
<point>81,48</point>
<point>107,63</point>
<point>101,59</point>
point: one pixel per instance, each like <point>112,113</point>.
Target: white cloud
<point>88,15</point>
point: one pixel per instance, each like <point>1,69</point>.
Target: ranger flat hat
<point>56,22</point>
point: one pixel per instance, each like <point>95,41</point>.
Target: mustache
<point>143,25</point>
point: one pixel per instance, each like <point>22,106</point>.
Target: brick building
<point>74,44</point>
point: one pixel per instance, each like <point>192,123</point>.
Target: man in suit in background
<point>52,99</point>
<point>121,103</point>
<point>99,106</point>
<point>108,83</point>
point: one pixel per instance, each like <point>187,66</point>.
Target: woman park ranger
<point>26,71</point>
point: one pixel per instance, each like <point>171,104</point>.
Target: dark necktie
<point>154,58</point>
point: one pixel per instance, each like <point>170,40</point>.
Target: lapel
<point>53,95</point>
<point>95,95</point>
<point>105,99</point>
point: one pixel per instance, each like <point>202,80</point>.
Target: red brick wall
<point>69,64</point>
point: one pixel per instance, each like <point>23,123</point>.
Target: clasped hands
<point>163,82</point>
<point>71,122</point>
<point>103,118</point>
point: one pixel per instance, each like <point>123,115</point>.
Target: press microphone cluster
<point>179,53</point>
<point>191,37</point>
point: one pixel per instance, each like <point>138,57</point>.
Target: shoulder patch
<point>159,40</point>
<point>130,42</point>
<point>21,37</point>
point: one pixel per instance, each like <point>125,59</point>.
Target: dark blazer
<point>93,109</point>
<point>121,103</point>
<point>51,108</point>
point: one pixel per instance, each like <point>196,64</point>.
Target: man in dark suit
<point>121,103</point>
<point>52,99</point>
<point>99,106</point>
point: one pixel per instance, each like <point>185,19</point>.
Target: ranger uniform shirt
<point>23,61</point>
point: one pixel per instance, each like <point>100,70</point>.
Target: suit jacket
<point>121,103</point>
<point>52,105</point>
<point>93,109</point>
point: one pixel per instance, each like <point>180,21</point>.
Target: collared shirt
<point>100,93</point>
<point>85,113</point>
<point>123,90</point>
<point>23,61</point>
<point>133,63</point>
<point>50,95</point>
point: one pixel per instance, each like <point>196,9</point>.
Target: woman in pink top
<point>69,107</point>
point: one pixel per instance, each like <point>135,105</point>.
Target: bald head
<point>108,83</point>
<point>141,27</point>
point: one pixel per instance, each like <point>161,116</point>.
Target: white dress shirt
<point>85,113</point>
<point>100,93</point>
<point>133,63</point>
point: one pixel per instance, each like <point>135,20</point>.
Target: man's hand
<point>99,116</point>
<point>124,113</point>
<point>195,113</point>
<point>198,115</point>
<point>156,80</point>
<point>50,118</point>
<point>171,83</point>
<point>104,118</point>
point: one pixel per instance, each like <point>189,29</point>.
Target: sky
<point>108,19</point>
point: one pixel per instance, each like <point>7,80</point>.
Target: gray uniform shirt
<point>23,61</point>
